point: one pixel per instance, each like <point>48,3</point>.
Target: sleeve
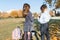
<point>30,17</point>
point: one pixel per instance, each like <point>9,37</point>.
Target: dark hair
<point>24,9</point>
<point>18,26</point>
<point>26,4</point>
<point>43,6</point>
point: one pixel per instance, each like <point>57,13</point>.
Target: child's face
<point>44,9</point>
<point>26,8</point>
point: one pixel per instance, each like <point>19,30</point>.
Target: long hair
<point>24,8</point>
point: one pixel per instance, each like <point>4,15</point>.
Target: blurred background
<point>11,16</point>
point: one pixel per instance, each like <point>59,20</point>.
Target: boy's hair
<point>43,6</point>
<point>26,4</point>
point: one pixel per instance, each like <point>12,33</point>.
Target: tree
<point>14,14</point>
<point>20,13</point>
<point>54,2</point>
<point>0,14</point>
<point>49,1</point>
<point>4,15</point>
<point>58,4</point>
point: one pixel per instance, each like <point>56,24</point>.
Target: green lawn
<point>8,25</point>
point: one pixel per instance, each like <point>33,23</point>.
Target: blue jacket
<point>28,22</point>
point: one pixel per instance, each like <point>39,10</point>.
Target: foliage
<point>56,3</point>
<point>14,14</point>
<point>7,26</point>
<point>54,27</point>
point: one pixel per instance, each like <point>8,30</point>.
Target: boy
<point>44,19</point>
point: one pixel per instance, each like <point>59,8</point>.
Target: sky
<point>7,5</point>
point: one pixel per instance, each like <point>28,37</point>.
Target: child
<point>28,21</point>
<point>16,33</point>
<point>44,19</point>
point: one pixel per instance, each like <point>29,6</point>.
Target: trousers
<point>44,30</point>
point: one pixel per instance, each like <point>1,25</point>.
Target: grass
<point>8,25</point>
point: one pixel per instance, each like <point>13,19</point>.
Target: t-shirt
<point>44,18</point>
<point>16,33</point>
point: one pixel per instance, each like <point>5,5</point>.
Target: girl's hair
<point>24,9</point>
<point>26,4</point>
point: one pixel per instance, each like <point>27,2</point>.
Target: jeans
<point>44,29</point>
